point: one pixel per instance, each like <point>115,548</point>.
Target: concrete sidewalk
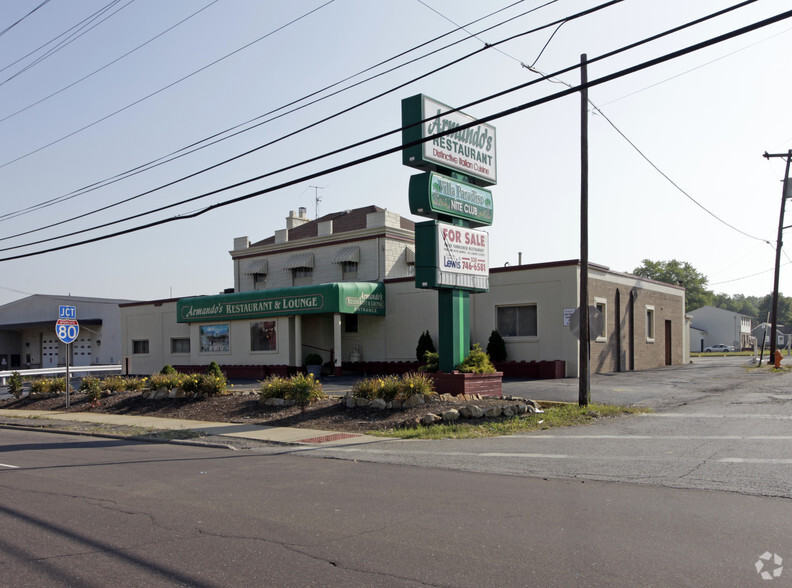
<point>290,435</point>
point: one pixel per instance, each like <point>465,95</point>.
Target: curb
<point>147,439</point>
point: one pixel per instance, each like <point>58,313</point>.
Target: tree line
<point>681,273</point>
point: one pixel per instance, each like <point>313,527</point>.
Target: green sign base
<point>453,308</point>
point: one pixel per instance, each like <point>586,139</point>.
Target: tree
<point>425,344</point>
<point>679,273</point>
<point>496,347</point>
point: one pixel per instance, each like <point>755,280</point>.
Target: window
<point>215,338</point>
<point>602,305</point>
<point>302,276</point>
<point>517,321</point>
<point>263,336</point>
<point>650,324</point>
<point>259,281</point>
<point>140,347</point>
<point>349,270</point>
<point>181,345</point>
<point>350,323</point>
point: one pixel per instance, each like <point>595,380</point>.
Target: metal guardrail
<point>73,371</point>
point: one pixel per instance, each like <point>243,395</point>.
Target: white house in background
<point>720,326</point>
<point>697,337</point>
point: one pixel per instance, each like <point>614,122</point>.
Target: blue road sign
<point>67,312</point>
<point>67,330</point>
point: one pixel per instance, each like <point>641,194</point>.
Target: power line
<point>105,66</point>
<point>289,135</point>
<point>146,97</point>
<point>504,113</point>
<point>203,143</point>
<point>12,25</point>
<point>70,39</point>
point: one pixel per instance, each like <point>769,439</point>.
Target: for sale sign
<point>458,257</point>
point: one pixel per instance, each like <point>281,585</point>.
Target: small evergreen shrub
<point>168,370</point>
<point>477,362</point>
<point>15,385</point>
<point>431,362</point>
<point>214,370</point>
<point>496,347</point>
<point>425,344</point>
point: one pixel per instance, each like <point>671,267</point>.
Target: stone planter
<point>457,383</point>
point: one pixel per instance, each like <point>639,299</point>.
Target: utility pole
<point>317,200</point>
<point>584,388</point>
<point>779,242</point>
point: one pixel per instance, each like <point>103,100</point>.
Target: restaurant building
<point>343,287</point>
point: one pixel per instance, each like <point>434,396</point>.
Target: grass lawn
<point>555,415</point>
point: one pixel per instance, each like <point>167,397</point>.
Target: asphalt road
<point>718,426</point>
<point>77,511</point>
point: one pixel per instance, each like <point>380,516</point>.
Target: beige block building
<point>343,286</point>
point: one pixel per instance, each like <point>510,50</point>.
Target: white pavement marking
<point>704,415</point>
<point>755,460</point>
<point>5,465</point>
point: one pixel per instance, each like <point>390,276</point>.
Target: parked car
<point>719,348</point>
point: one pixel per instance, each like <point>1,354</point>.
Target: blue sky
<point>704,120</point>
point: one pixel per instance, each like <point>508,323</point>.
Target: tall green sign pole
<point>451,256</point>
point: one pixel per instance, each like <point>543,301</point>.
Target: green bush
<point>303,389</point>
<point>49,386</point>
<point>92,386</point>
<point>313,359</point>
<point>114,384</point>
<point>390,388</point>
<point>417,383</point>
<point>477,362</point>
<point>213,385</point>
<point>15,385</point>
<point>275,387</point>
<point>168,370</point>
<point>496,347</point>
<point>425,344</point>
<point>135,384</point>
<point>169,381</point>
<point>214,370</point>
<point>431,362</point>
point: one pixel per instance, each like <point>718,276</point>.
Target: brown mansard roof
<point>343,222</point>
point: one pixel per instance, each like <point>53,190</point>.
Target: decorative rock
<point>533,403</point>
<point>507,411</point>
<point>274,402</point>
<point>465,412</point>
<point>378,403</point>
<point>430,419</point>
<point>451,415</point>
<point>475,411</point>
<point>351,401</point>
<point>520,408</point>
<point>531,410</point>
<point>396,403</point>
<point>492,411</point>
<point>414,400</point>
<point>362,402</point>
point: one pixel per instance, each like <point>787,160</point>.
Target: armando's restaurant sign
<point>469,151</point>
<point>343,297</point>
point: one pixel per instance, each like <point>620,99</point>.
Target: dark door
<point>668,342</point>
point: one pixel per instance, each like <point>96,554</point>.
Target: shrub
<point>15,385</point>
<point>41,386</point>
<point>431,362</point>
<point>214,370</point>
<point>425,344</point>
<point>417,383</point>
<point>313,359</point>
<point>477,362</point>
<point>135,384</point>
<point>302,389</point>
<point>275,387</point>
<point>169,381</point>
<point>305,390</point>
<point>114,384</point>
<point>365,388</point>
<point>212,385</point>
<point>496,347</point>
<point>92,386</point>
<point>168,370</point>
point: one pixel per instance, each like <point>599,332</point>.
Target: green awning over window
<point>344,297</point>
